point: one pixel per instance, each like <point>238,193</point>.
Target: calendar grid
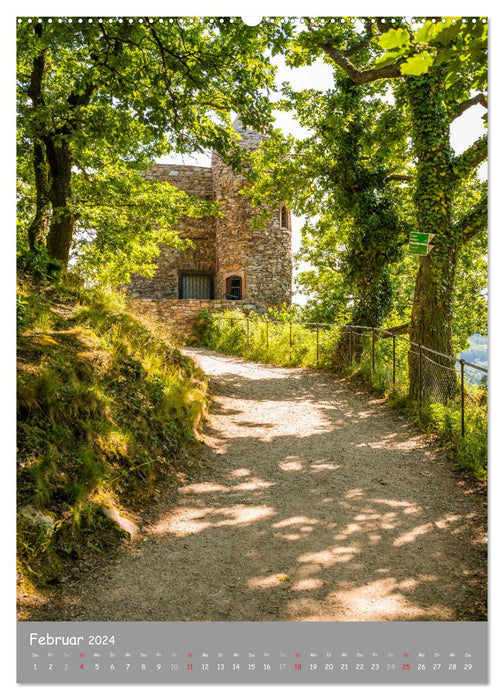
<point>215,652</point>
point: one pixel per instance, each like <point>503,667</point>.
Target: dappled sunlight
<point>299,527</point>
<point>275,580</point>
<point>253,485</point>
<point>308,584</point>
<point>392,503</point>
<point>324,467</point>
<point>354,493</point>
<point>382,599</point>
<point>347,531</point>
<point>443,523</point>
<point>290,465</point>
<point>295,520</point>
<point>189,521</point>
<point>240,472</point>
<point>205,487</point>
<point>367,516</point>
<point>210,487</point>
<point>398,442</point>
<point>412,535</point>
<point>329,557</point>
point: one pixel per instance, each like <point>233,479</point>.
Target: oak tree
<point>100,99</point>
<point>437,70</point>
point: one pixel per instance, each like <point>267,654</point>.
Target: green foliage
<point>431,69</point>
<point>103,100</point>
<point>471,449</point>
<point>395,39</point>
<point>123,219</point>
<point>274,338</point>
<point>417,64</point>
<point>339,179</point>
<point>105,410</point>
<point>38,264</point>
<point>459,44</point>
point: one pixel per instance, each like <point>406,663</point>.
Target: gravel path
<point>314,501</point>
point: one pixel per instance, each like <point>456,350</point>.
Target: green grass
<point>278,344</point>
<point>281,344</point>
<point>107,411</point>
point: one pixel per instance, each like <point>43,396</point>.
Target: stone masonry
<point>179,314</point>
<point>259,262</point>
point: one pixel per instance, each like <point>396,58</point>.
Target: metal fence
<point>389,360</point>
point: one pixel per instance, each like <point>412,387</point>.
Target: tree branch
<point>360,76</point>
<point>364,42</point>
<point>37,73</point>
<point>466,104</point>
<point>466,162</point>
<point>399,178</point>
<point>474,221</point>
<point>85,175</point>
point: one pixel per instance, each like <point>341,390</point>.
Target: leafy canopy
<point>120,94</point>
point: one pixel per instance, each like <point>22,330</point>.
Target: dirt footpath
<point>314,501</point>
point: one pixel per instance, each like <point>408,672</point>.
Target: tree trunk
<point>431,317</point>
<point>59,238</point>
<point>431,327</point>
<point>38,228</point>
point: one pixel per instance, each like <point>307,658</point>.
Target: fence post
<point>248,333</point>
<point>373,351</point>
<point>420,381</point>
<point>351,345</point>
<point>267,340</point>
<point>317,345</point>
<point>393,362</point>
<point>462,398</point>
<point>290,341</point>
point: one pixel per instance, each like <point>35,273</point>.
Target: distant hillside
<point>477,353</point>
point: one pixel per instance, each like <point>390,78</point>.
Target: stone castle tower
<point>230,262</point>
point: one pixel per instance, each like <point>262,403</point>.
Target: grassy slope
<point>107,410</point>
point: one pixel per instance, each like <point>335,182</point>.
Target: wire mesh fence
<point>445,388</point>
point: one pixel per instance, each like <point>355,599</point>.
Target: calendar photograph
<point>252,347</point>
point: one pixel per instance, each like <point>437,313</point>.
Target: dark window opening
<point>234,288</point>
<point>194,285</point>
<point>284,217</point>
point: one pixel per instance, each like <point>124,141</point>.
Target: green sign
<point>419,243</point>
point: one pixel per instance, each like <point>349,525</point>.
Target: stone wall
<point>200,257</point>
<point>179,314</point>
<point>263,257</point>
<point>226,246</point>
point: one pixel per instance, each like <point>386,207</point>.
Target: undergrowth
<point>107,411</point>
<point>295,345</point>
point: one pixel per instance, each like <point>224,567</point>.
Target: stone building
<point>230,265</point>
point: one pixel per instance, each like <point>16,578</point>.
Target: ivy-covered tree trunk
<point>373,242</point>
<point>432,311</point>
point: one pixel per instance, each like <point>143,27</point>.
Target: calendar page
<point>252,348</point>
